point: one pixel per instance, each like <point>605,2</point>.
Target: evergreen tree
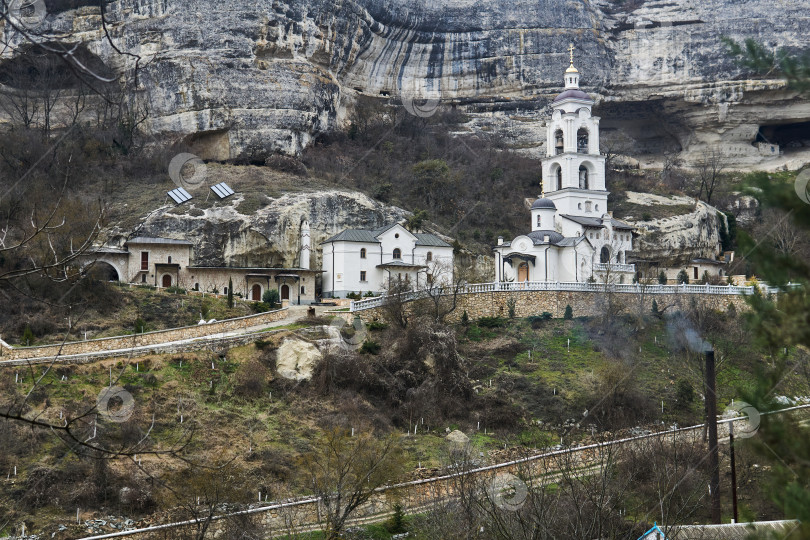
<point>569,313</point>
<point>683,277</point>
<point>230,293</point>
<point>662,278</point>
<point>655,308</point>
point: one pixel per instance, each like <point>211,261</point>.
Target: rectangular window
<point>144,260</point>
<point>696,271</point>
<point>362,275</point>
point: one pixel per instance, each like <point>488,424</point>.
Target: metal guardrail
<point>521,286</point>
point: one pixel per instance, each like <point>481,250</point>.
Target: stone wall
<point>141,340</point>
<point>583,303</point>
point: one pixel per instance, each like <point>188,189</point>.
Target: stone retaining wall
<point>583,303</point>
<point>158,337</point>
<point>305,514</point>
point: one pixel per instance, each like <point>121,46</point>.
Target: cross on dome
<point>571,68</point>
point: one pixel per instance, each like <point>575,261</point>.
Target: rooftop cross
<point>571,52</point>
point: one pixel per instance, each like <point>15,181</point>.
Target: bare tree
<point>710,169</point>
<point>344,471</point>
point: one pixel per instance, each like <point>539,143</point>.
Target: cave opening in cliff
<point>639,128</point>
<point>787,135</point>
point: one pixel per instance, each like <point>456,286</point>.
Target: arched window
<point>362,253</point>
<point>559,145</point>
<point>538,220</point>
<point>604,255</point>
<point>582,141</point>
<point>559,178</point>
<point>397,253</point>
<point>170,259</point>
<point>429,256</point>
<point>583,177</point>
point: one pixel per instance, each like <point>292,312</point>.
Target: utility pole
<point>711,421</point>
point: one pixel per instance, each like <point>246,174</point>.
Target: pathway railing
<point>519,286</point>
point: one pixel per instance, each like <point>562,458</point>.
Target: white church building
<point>573,237</point>
<point>362,260</point>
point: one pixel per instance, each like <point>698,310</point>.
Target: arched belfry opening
<point>583,177</point>
<point>559,142</point>
<point>559,178</point>
<point>604,255</point>
<point>582,140</point>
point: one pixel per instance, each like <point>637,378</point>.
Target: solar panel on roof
<point>222,190</point>
<point>179,195</point>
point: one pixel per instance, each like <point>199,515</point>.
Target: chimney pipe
<point>500,240</point>
<point>711,422</point>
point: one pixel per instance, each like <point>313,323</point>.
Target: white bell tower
<point>574,170</point>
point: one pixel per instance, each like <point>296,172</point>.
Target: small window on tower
<point>362,253</point>
<point>538,220</point>
<point>429,256</point>
<point>397,253</point>
<point>362,275</point>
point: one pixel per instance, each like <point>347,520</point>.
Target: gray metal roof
<point>597,222</point>
<point>538,237</point>
<point>586,221</point>
<point>427,239</point>
<point>155,240</point>
<point>571,241</point>
<point>354,235</point>
<point>708,261</point>
<point>621,225</point>
<point>370,237</point>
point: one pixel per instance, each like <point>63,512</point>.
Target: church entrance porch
<point>523,271</point>
<point>256,292</point>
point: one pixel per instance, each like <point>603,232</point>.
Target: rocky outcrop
<point>679,239</point>
<point>296,359</point>
<point>243,79</point>
<point>268,236</point>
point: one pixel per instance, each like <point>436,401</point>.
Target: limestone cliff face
<point>269,236</point>
<point>243,79</point>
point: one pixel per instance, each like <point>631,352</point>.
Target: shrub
<point>261,344</point>
<point>465,319</point>
<point>510,306</point>
<point>354,296</point>
<point>646,216</point>
<point>491,322</point>
<point>270,296</point>
<point>174,289</point>
<point>684,393</point>
<point>683,277</point>
<point>260,307</point>
<point>654,308</point>
<point>569,313</point>
<point>205,310</point>
<point>27,336</point>
<point>375,326</point>
<point>369,294</point>
<point>140,326</point>
<point>370,347</point>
